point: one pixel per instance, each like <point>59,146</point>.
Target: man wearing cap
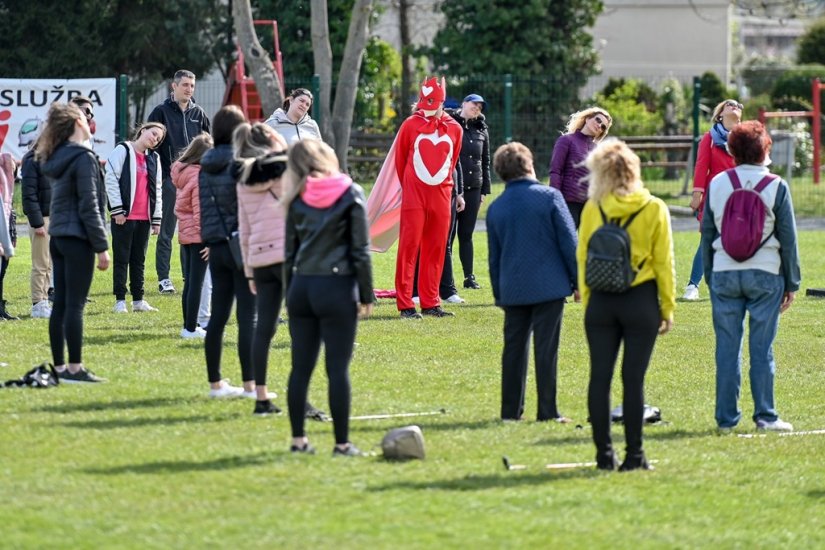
<point>475,167</point>
<point>427,148</point>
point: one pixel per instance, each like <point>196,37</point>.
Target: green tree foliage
<point>811,47</point>
<point>792,90</point>
<point>630,116</point>
<point>380,72</point>
<point>644,93</point>
<point>713,91</point>
<point>544,44</point>
<point>146,39</point>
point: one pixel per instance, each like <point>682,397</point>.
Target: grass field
<point>148,461</point>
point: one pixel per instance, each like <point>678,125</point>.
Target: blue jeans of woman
<point>732,294</point>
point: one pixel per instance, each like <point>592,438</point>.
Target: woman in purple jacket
<point>567,170</point>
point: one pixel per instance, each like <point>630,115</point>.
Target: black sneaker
<point>307,449</point>
<point>410,313</point>
<point>470,282</point>
<point>638,462</point>
<point>83,376</point>
<point>437,312</point>
<point>315,414</point>
<point>349,450</point>
<point>265,407</point>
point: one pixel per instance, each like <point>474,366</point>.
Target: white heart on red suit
<point>427,90</point>
<point>432,158</point>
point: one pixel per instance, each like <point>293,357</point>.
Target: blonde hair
<point>255,140</point>
<point>717,111</point>
<point>60,125</point>
<point>307,157</point>
<point>578,119</point>
<point>195,151</point>
<point>614,168</point>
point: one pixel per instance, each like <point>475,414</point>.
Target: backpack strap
<point>604,216</point>
<point>764,182</point>
<point>734,178</point>
<point>634,214</point>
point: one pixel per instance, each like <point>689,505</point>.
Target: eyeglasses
<point>600,122</point>
<point>734,104</point>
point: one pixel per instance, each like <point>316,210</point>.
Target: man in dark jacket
<point>37,196</point>
<point>184,120</point>
<point>532,256</point>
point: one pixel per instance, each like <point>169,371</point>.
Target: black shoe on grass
<point>410,313</point>
<point>470,282</point>
<point>307,449</point>
<point>265,407</point>
<point>436,312</point>
<point>316,414</point>
<point>83,376</point>
<point>349,450</point>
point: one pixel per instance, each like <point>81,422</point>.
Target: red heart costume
<point>426,152</point>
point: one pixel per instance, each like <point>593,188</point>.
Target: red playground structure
<point>240,88</point>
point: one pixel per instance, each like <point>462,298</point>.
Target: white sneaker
<point>455,299</point>
<point>225,391</point>
<point>41,310</point>
<point>166,287</point>
<point>254,395</point>
<point>777,425</point>
<point>197,333</point>
<point>691,293</point>
<point>142,305</point>
<point>120,307</point>
<point>416,300</point>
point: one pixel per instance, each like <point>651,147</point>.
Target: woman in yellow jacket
<point>633,317</point>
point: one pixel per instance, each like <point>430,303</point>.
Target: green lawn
<point>148,461</point>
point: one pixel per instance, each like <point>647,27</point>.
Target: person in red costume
<point>426,152</point>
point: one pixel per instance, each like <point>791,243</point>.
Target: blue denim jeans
<point>732,294</point>
<point>696,270</point>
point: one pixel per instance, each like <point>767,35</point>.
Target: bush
<point>792,91</point>
<point>713,91</point>
<point>630,117</point>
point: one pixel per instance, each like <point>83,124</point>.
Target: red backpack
<point>743,220</point>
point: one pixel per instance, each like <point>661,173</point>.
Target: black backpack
<point>608,267</point>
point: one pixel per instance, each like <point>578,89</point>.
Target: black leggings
<point>129,244</point>
<point>466,225</point>
<point>194,270</point>
<point>4,267</point>
<point>321,308</point>
<point>228,284</point>
<point>633,318</point>
<point>269,288</point>
<point>575,209</point>
<point>73,263</point>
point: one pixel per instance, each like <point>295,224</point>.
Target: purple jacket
<point>567,166</point>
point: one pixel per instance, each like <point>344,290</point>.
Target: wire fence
<point>532,110</point>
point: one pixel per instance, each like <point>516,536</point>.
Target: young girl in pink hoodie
<point>185,174</point>
<point>328,275</point>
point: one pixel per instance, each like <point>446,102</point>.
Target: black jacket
<point>218,195</point>
<point>78,195</point>
<point>475,152</point>
<point>37,191</point>
<point>333,241</point>
<point>181,128</point>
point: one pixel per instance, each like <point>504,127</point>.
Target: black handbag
<point>234,238</point>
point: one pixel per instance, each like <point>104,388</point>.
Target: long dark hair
<point>60,124</point>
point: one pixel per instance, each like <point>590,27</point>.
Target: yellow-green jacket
<point>651,242</point>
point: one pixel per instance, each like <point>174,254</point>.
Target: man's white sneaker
<point>777,425</point>
<point>166,287</point>
<point>455,299</point>
<point>254,395</point>
<point>197,333</point>
<point>691,293</point>
<point>120,307</point>
<point>142,305</point>
<point>41,310</point>
<point>225,391</point>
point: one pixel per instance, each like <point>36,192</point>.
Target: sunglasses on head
<point>600,122</point>
<point>734,104</point>
<point>89,113</point>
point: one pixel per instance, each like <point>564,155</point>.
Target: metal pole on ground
<point>508,108</point>
<point>122,107</point>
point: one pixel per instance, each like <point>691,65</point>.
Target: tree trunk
<point>322,56</point>
<point>342,110</point>
<point>406,70</point>
<point>256,58</point>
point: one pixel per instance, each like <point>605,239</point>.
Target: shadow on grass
<point>179,466</point>
<point>386,424</point>
<point>482,483</point>
<point>617,432</point>
<point>116,423</point>
<point>816,493</point>
<point>125,337</point>
<point>68,408</point>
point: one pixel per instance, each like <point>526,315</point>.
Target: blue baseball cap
<point>475,98</point>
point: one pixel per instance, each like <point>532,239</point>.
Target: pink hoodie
<point>187,202</point>
<point>323,192</point>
